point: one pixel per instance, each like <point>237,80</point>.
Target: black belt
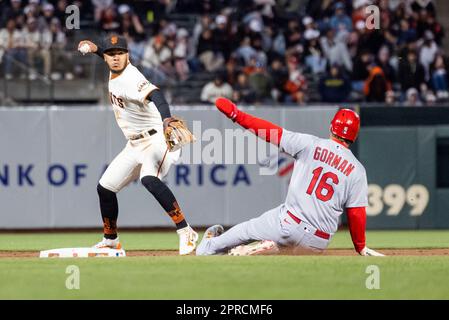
<point>143,135</point>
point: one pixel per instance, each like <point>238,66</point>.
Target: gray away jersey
<point>326,179</point>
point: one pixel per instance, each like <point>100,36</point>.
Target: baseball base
<point>83,253</point>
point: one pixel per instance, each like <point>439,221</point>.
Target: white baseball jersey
<point>327,178</point>
<point>127,93</point>
<point>147,156</point>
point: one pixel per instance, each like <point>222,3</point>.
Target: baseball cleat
<point>255,248</point>
<point>108,243</point>
<point>187,240</point>
<point>213,231</point>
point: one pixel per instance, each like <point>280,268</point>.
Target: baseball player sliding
<point>154,138</point>
<point>326,179</point>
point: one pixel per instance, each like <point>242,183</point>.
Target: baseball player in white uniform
<point>143,114</point>
<point>326,180</point>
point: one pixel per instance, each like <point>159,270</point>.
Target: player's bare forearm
<point>264,129</point>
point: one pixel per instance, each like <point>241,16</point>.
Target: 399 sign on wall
<point>394,199</point>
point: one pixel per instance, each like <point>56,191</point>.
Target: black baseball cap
<point>114,41</point>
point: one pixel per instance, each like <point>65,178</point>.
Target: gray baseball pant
<point>275,225</point>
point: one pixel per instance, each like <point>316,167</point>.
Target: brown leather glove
<point>176,133</point>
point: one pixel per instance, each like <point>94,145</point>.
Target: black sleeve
<point>99,52</point>
<point>161,104</point>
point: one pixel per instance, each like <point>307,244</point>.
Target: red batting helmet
<point>346,124</point>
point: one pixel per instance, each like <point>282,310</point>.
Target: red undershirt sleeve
<point>357,226</point>
<point>262,128</point>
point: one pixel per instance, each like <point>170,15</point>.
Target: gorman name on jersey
<point>333,160</point>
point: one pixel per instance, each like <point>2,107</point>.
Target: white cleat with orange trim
<point>108,243</point>
<point>187,240</point>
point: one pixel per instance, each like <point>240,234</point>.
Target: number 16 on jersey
<point>324,191</point>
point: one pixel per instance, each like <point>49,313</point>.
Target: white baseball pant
<point>148,156</point>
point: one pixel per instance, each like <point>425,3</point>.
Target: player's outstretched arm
<point>176,132</point>
<point>157,97</point>
<point>357,226</point>
<point>262,128</point>
<point>87,46</point>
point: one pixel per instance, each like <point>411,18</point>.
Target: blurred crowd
<point>258,51</point>
<point>32,37</point>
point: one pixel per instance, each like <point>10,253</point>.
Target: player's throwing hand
<point>87,46</point>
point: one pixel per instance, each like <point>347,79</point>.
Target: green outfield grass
<point>168,240</point>
<point>223,277</point>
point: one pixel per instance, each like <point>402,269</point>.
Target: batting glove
<point>370,252</point>
<point>227,107</point>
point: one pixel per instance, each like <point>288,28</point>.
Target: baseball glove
<point>176,133</point>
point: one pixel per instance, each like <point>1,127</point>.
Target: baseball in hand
<point>84,48</point>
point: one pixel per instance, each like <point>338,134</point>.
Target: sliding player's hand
<point>227,107</point>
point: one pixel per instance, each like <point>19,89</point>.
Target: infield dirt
<point>285,252</point>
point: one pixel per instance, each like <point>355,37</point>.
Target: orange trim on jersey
<point>149,93</point>
<point>162,162</point>
<point>116,75</point>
